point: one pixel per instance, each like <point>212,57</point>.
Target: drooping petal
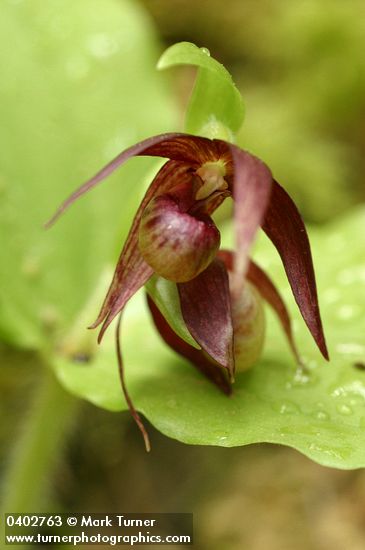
<point>206,309</point>
<point>175,146</point>
<point>284,226</point>
<point>252,181</point>
<point>197,357</point>
<point>132,272</point>
<point>270,293</point>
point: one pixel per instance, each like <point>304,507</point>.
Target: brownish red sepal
<point>181,147</point>
<point>285,227</point>
<point>197,357</point>
<point>132,272</point>
<point>251,189</point>
<point>206,308</point>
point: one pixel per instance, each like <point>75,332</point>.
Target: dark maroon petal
<point>197,357</point>
<point>284,226</point>
<point>181,147</point>
<point>251,192</point>
<point>132,272</point>
<point>206,309</point>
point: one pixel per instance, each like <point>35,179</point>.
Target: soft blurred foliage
<point>72,95</point>
<point>301,68</point>
<point>78,84</point>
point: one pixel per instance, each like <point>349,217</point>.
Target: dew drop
<point>324,450</point>
<point>355,390</point>
<point>345,410</point>
<point>321,415</point>
<point>206,51</point>
<point>287,407</point>
<point>302,378</point>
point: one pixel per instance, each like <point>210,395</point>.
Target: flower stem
<point>38,447</point>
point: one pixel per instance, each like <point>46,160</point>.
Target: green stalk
<point>38,448</point>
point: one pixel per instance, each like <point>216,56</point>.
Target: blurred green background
<point>78,84</point>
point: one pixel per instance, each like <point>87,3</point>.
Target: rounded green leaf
<point>72,95</point>
<point>216,107</point>
<point>322,413</point>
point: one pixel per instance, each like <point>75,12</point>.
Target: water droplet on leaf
<point>302,378</point>
<point>353,389</point>
<point>321,415</point>
<point>344,409</point>
<point>287,407</point>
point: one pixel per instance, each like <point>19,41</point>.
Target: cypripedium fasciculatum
<point>174,236</point>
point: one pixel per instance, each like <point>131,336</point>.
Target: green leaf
<point>322,415</point>
<point>216,108</point>
<point>165,295</point>
<point>72,95</point>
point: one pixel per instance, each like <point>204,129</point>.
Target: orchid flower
<point>174,236</point>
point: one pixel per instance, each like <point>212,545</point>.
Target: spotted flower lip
<point>173,235</point>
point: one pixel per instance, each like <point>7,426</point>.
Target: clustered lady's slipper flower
<point>174,236</point>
